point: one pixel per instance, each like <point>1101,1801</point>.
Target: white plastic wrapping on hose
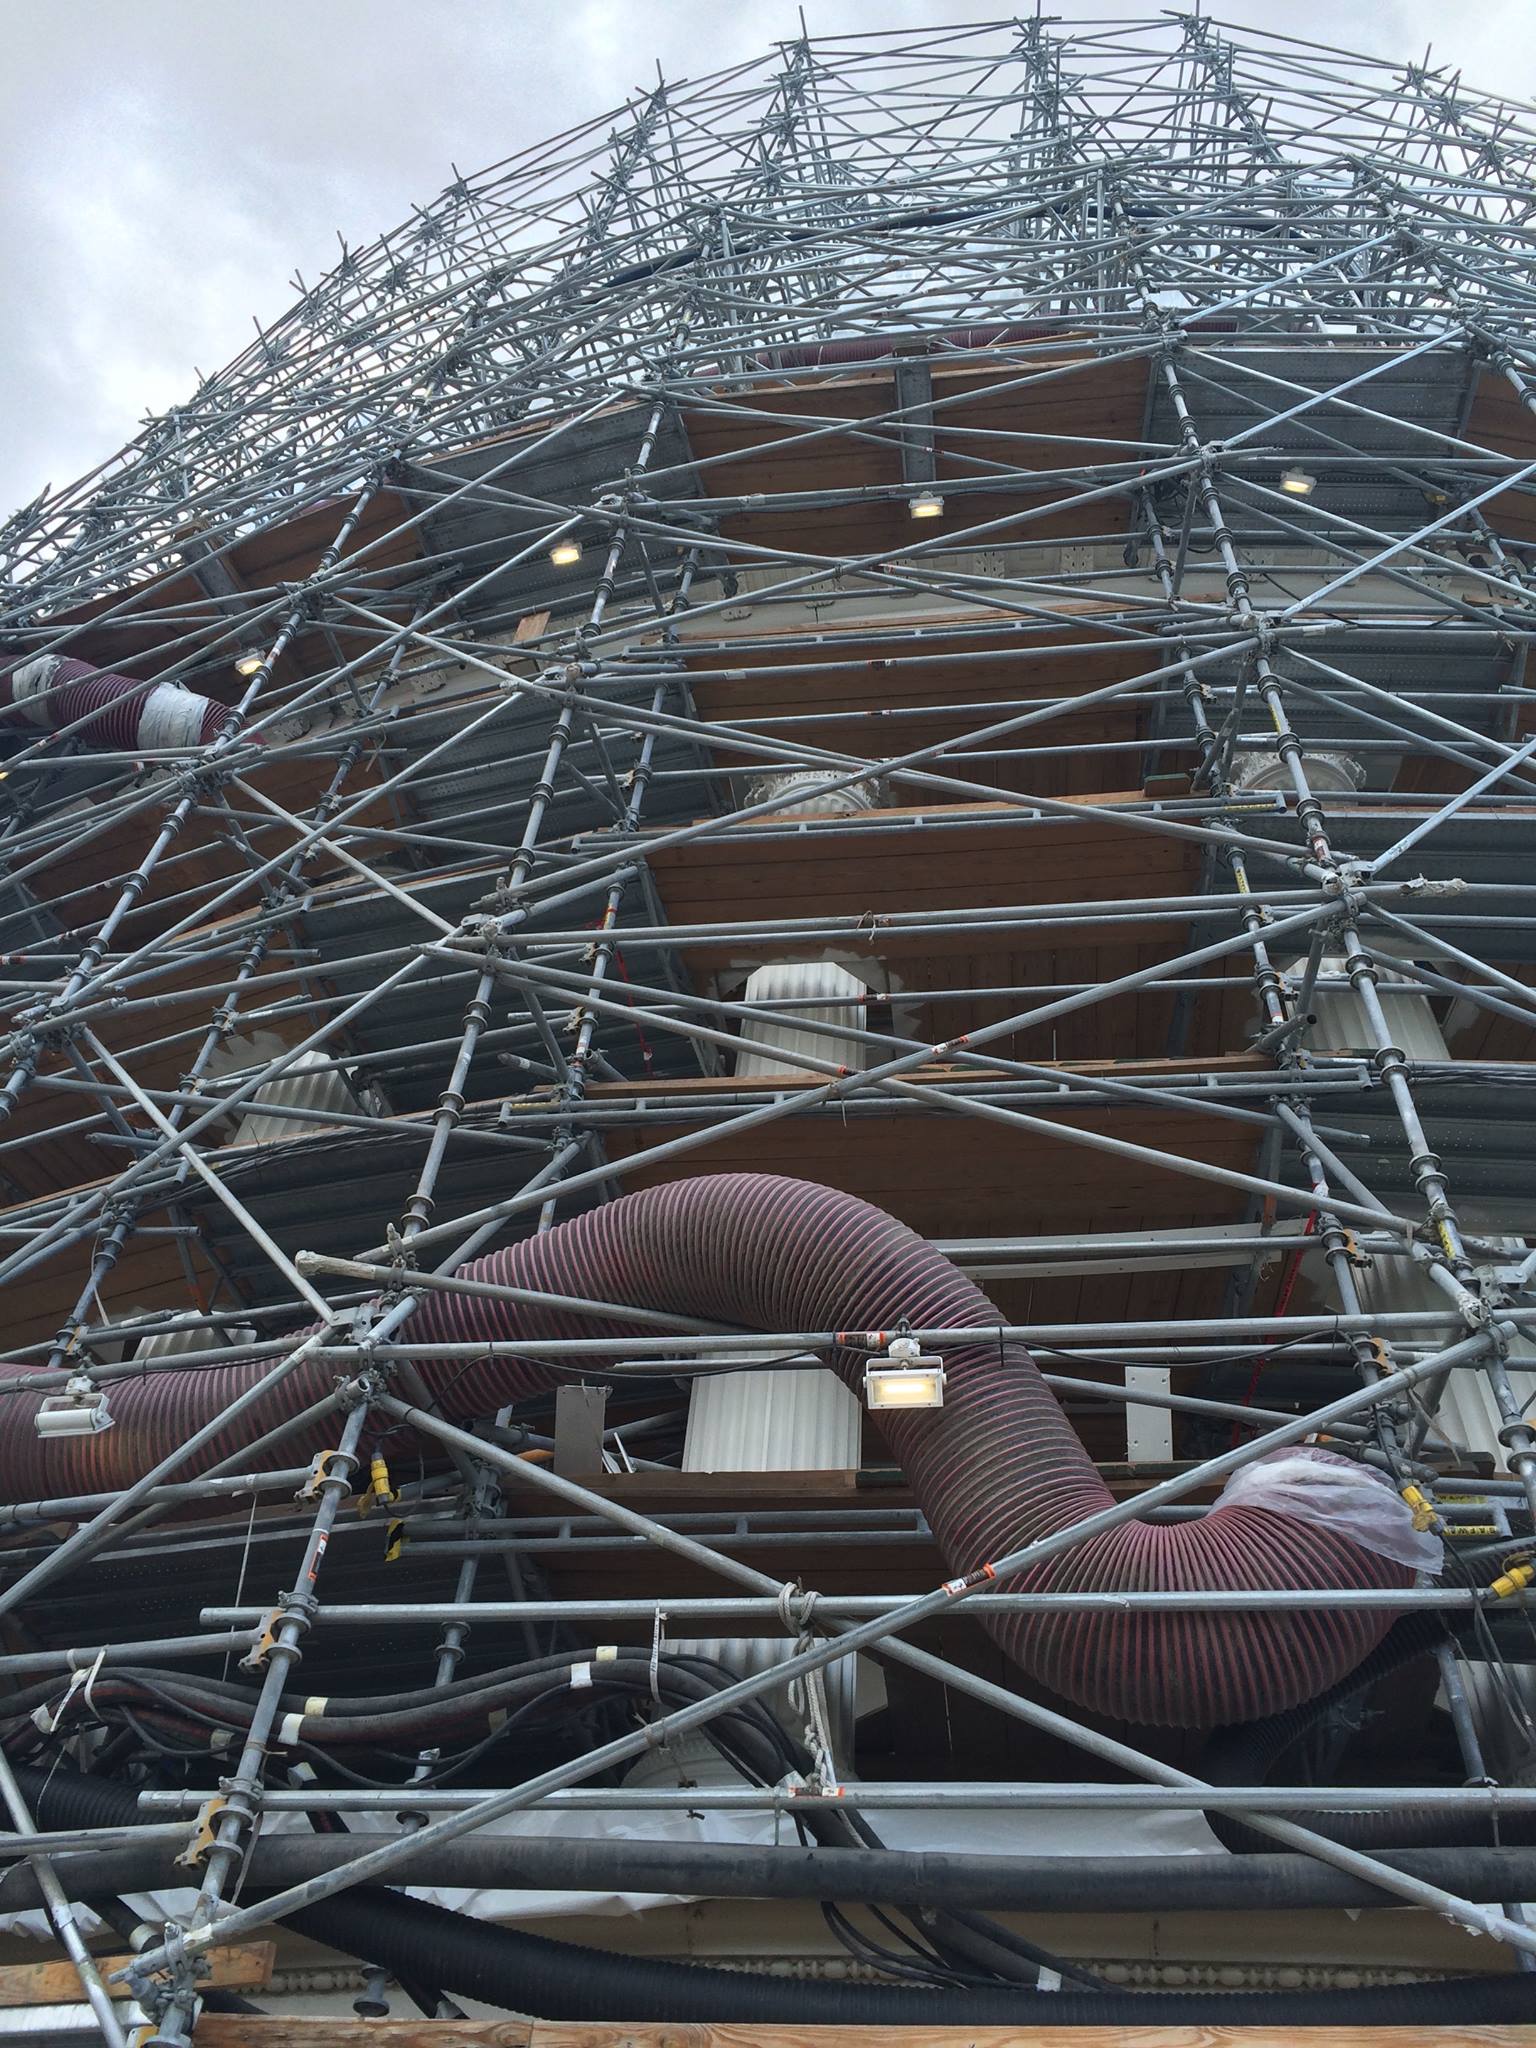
<point>30,685</point>
<point>171,717</point>
<point>1333,1492</point>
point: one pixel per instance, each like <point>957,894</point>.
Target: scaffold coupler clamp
<point>357,1322</point>
<point>1362,1261</point>
<point>168,1993</point>
<point>319,1473</point>
<point>116,1211</point>
<point>203,1833</point>
<point>482,925</point>
<point>360,1390</point>
<point>1381,1355</point>
<point>256,1656</point>
<point>1478,1313</point>
<point>297,1607</point>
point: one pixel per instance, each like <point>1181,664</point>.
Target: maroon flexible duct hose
<point>999,1466</point>
<point>52,691</point>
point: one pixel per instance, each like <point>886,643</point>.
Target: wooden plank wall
<point>239,2030</point>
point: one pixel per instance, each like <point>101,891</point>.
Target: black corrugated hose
<point>558,1981</point>
<point>1246,1754</point>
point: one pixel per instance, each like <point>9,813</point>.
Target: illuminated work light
<point>1299,482</point>
<point>565,552</point>
<point>247,664</point>
<point>904,1378</point>
<point>928,506</point>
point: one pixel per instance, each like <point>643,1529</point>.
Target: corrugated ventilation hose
<point>999,1466</point>
<point>52,691</point>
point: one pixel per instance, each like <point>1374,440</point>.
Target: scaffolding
<point>944,615</point>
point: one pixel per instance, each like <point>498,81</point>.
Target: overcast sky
<point>169,164</point>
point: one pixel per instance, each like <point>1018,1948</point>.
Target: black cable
<point>864,1950</point>
<point>1226,1358</point>
<point>1030,1952</point>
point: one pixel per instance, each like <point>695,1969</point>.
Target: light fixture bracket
<point>81,1410</point>
<point>905,1377</point>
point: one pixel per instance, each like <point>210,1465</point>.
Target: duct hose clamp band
<point>170,717</point>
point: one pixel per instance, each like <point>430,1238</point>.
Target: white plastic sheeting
<point>1466,1416</point>
<point>1308,1484</point>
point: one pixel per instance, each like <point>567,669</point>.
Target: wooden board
<point>241,2030</point>
<point>250,2030</point>
<point>246,1968</point>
